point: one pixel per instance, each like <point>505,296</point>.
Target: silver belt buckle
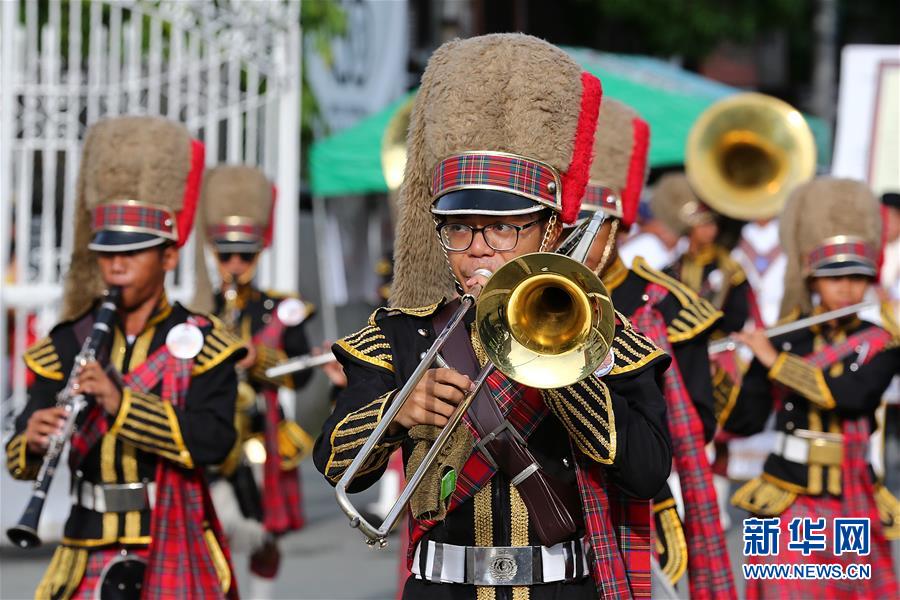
<point>125,497</point>
<point>502,565</point>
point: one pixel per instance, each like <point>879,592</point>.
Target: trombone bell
<point>545,320</point>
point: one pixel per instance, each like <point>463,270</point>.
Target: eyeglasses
<point>500,237</point>
<point>246,257</point>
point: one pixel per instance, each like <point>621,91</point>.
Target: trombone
<point>545,321</point>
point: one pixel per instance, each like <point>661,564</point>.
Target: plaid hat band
<point>841,250</point>
<point>598,196</point>
<point>498,171</point>
<point>134,216</point>
<point>235,232</point>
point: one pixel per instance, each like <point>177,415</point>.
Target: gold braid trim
<point>150,423</point>
<point>696,314</point>
<point>484,532</point>
<point>589,420</point>
<point>20,464</point>
<point>352,432</point>
<point>42,359</point>
<point>369,346</point>
<point>632,350</point>
<point>422,311</point>
<point>792,371</point>
<point>219,345</point>
<point>670,537</point>
<point>725,395</point>
<point>762,497</point>
<point>888,511</point>
<point>220,563</point>
<point>266,358</point>
<point>518,534</point>
<point>63,575</point>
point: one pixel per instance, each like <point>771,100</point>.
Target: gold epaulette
<point>695,316</point>
<point>790,317</point>
<point>804,378</point>
<point>43,359</point>
<point>632,350</point>
<point>369,345</point>
<point>386,311</point>
<point>889,320</point>
<point>218,345</point>
<point>761,496</point>
<point>888,511</point>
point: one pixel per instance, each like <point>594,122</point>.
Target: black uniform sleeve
<point>297,344</point>
<point>736,311</point>
<point>692,358</point>
<point>44,361</point>
<point>753,402</point>
<point>357,411</point>
<point>202,431</point>
<point>852,393</point>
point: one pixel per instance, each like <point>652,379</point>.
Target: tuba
<point>544,319</point>
<point>746,153</point>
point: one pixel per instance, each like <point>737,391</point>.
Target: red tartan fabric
<point>223,231</point>
<point>618,526</point>
<point>94,427</point>
<point>179,563</point>
<point>516,174</point>
<point>853,249</point>
<point>282,496</point>
<point>709,568</point>
<point>97,560</point>
<point>152,219</point>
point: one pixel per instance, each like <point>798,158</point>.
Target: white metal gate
<point>229,70</point>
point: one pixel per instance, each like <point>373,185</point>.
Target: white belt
<point>114,497</point>
<point>796,447</point>
<point>501,565</point>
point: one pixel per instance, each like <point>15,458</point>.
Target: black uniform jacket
<point>689,319</point>
<point>618,421</point>
<point>719,279</point>
<point>146,429</point>
<point>256,310</point>
<point>814,399</point>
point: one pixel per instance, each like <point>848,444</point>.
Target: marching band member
<point>499,150</point>
<point>161,397</point>
<point>706,267</point>
<point>235,217</point>
<point>680,322</point>
<point>824,383</point>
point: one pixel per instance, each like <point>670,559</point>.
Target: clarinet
<point>25,534</point>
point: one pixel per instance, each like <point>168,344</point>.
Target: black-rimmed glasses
<point>500,237</point>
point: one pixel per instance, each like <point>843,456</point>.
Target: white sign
<point>867,142</point>
<point>368,68</point>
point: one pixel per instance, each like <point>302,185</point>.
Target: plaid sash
<point>180,564</point>
<point>282,498</point>
<point>618,527</point>
<point>710,570</point>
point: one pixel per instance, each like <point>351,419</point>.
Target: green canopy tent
<point>668,97</point>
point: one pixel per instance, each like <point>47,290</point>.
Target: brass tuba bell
<point>393,146</point>
<point>746,153</point>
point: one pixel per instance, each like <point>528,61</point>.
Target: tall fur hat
<point>620,166</point>
<point>829,227</point>
<point>500,112</point>
<point>235,215</point>
<point>138,183</point>
<point>675,204</point>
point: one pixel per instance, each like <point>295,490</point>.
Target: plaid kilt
<point>97,560</point>
<point>708,566</point>
<point>282,495</point>
<point>182,559</point>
